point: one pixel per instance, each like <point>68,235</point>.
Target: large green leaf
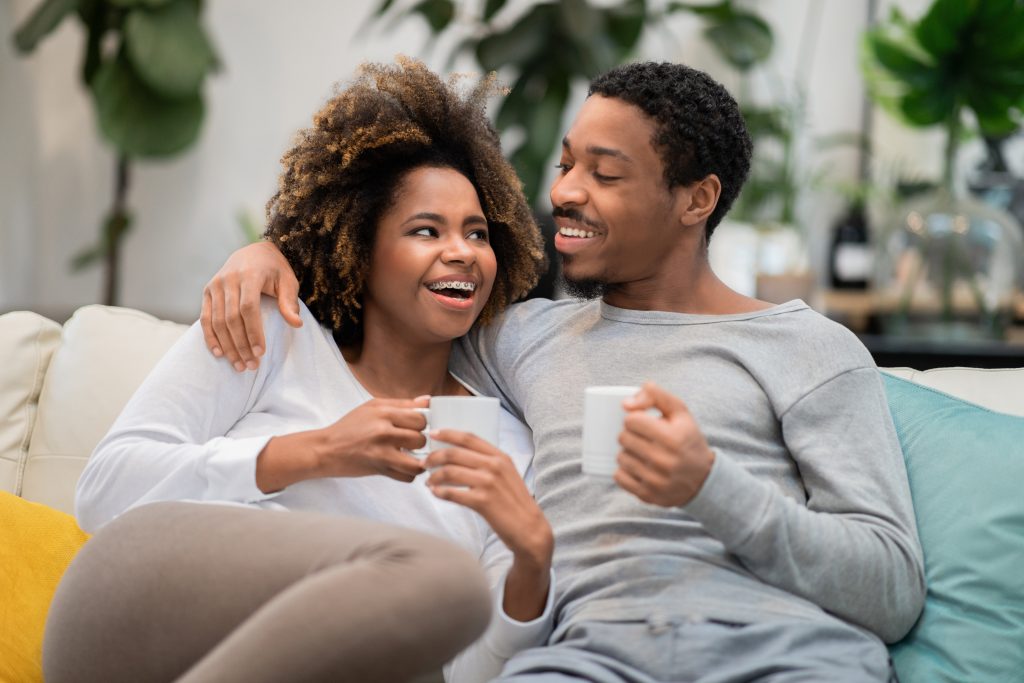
<point>46,17</point>
<point>137,121</point>
<point>580,20</point>
<point>941,29</point>
<point>744,39</point>
<point>928,107</point>
<point>492,7</point>
<point>525,40</point>
<point>438,13</point>
<point>130,4</point>
<point>625,24</point>
<point>168,48</point>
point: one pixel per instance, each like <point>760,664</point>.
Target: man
<point>760,527</point>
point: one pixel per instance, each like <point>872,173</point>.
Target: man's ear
<point>699,200</point>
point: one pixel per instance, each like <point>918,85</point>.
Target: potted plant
<point>144,65</point>
<point>949,266</point>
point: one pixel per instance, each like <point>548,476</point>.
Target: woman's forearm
<point>529,578</point>
<point>287,460</point>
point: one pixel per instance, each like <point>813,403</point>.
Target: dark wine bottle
<point>851,258</point>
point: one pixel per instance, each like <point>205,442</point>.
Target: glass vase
<point>949,269</point>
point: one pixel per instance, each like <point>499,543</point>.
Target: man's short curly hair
<point>342,174</point>
<point>700,130</point>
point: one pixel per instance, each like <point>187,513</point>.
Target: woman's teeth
<point>454,284</point>
<point>455,289</point>
<point>575,232</point>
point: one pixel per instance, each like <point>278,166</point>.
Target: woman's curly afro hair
<point>342,174</point>
<point>700,130</point>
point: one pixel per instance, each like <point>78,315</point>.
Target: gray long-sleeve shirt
<point>806,511</point>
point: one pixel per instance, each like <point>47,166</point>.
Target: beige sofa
<point>62,386</point>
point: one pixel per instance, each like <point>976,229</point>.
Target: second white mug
<point>603,416</point>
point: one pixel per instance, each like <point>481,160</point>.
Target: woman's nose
<point>458,250</point>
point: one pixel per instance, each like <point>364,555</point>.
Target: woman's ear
<point>700,200</point>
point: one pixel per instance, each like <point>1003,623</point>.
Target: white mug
<point>474,414</point>
<point>603,416</point>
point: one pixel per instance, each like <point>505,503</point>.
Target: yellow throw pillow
<point>37,543</point>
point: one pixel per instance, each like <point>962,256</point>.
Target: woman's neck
<point>390,368</point>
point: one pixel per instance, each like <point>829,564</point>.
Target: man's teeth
<point>575,232</point>
<point>454,284</point>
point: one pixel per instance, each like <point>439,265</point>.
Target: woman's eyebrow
<point>438,218</point>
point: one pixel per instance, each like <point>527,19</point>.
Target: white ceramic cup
<point>474,414</point>
<point>603,416</point>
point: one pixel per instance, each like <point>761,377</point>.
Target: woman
<point>406,226</point>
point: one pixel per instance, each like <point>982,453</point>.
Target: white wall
<point>281,60</point>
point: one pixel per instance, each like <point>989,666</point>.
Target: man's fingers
<point>249,306</point>
<point>653,396</point>
<point>220,328</point>
<point>288,299</point>
<point>205,322</point>
<point>630,483</point>
<point>236,328</point>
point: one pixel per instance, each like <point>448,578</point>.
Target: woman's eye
<point>564,168</point>
<point>478,235</point>
<point>605,178</point>
<point>425,232</point>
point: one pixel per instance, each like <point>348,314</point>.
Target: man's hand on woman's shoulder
<point>232,325</point>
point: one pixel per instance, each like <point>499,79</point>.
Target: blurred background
<point>141,140</point>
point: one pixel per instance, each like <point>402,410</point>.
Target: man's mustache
<point>577,216</point>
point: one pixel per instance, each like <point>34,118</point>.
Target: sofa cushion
<point>27,342</point>
<point>966,465</point>
<point>37,543</point>
<point>104,355</point>
<point>998,389</point>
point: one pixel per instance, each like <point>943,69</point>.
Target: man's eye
<point>605,178</point>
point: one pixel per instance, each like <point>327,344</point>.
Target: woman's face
<point>432,267</point>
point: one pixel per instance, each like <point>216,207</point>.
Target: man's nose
<point>566,190</point>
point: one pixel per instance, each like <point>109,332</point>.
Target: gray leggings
<point>206,593</point>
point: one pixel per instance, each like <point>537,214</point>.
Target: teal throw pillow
<point>966,470</point>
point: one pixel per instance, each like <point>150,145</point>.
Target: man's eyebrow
<point>599,151</point>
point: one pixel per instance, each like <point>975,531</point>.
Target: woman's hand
<point>231,318</point>
<point>474,473</point>
<point>369,440</point>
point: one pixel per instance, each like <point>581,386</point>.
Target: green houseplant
<point>950,265</point>
<point>144,64</point>
<point>556,44</point>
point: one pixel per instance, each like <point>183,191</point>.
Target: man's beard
<point>587,288</point>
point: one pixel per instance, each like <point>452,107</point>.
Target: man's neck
<point>684,284</point>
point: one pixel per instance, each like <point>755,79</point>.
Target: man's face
<point>617,220</point>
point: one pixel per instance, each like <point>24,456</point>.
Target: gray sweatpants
<point>208,593</point>
<point>658,651</point>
